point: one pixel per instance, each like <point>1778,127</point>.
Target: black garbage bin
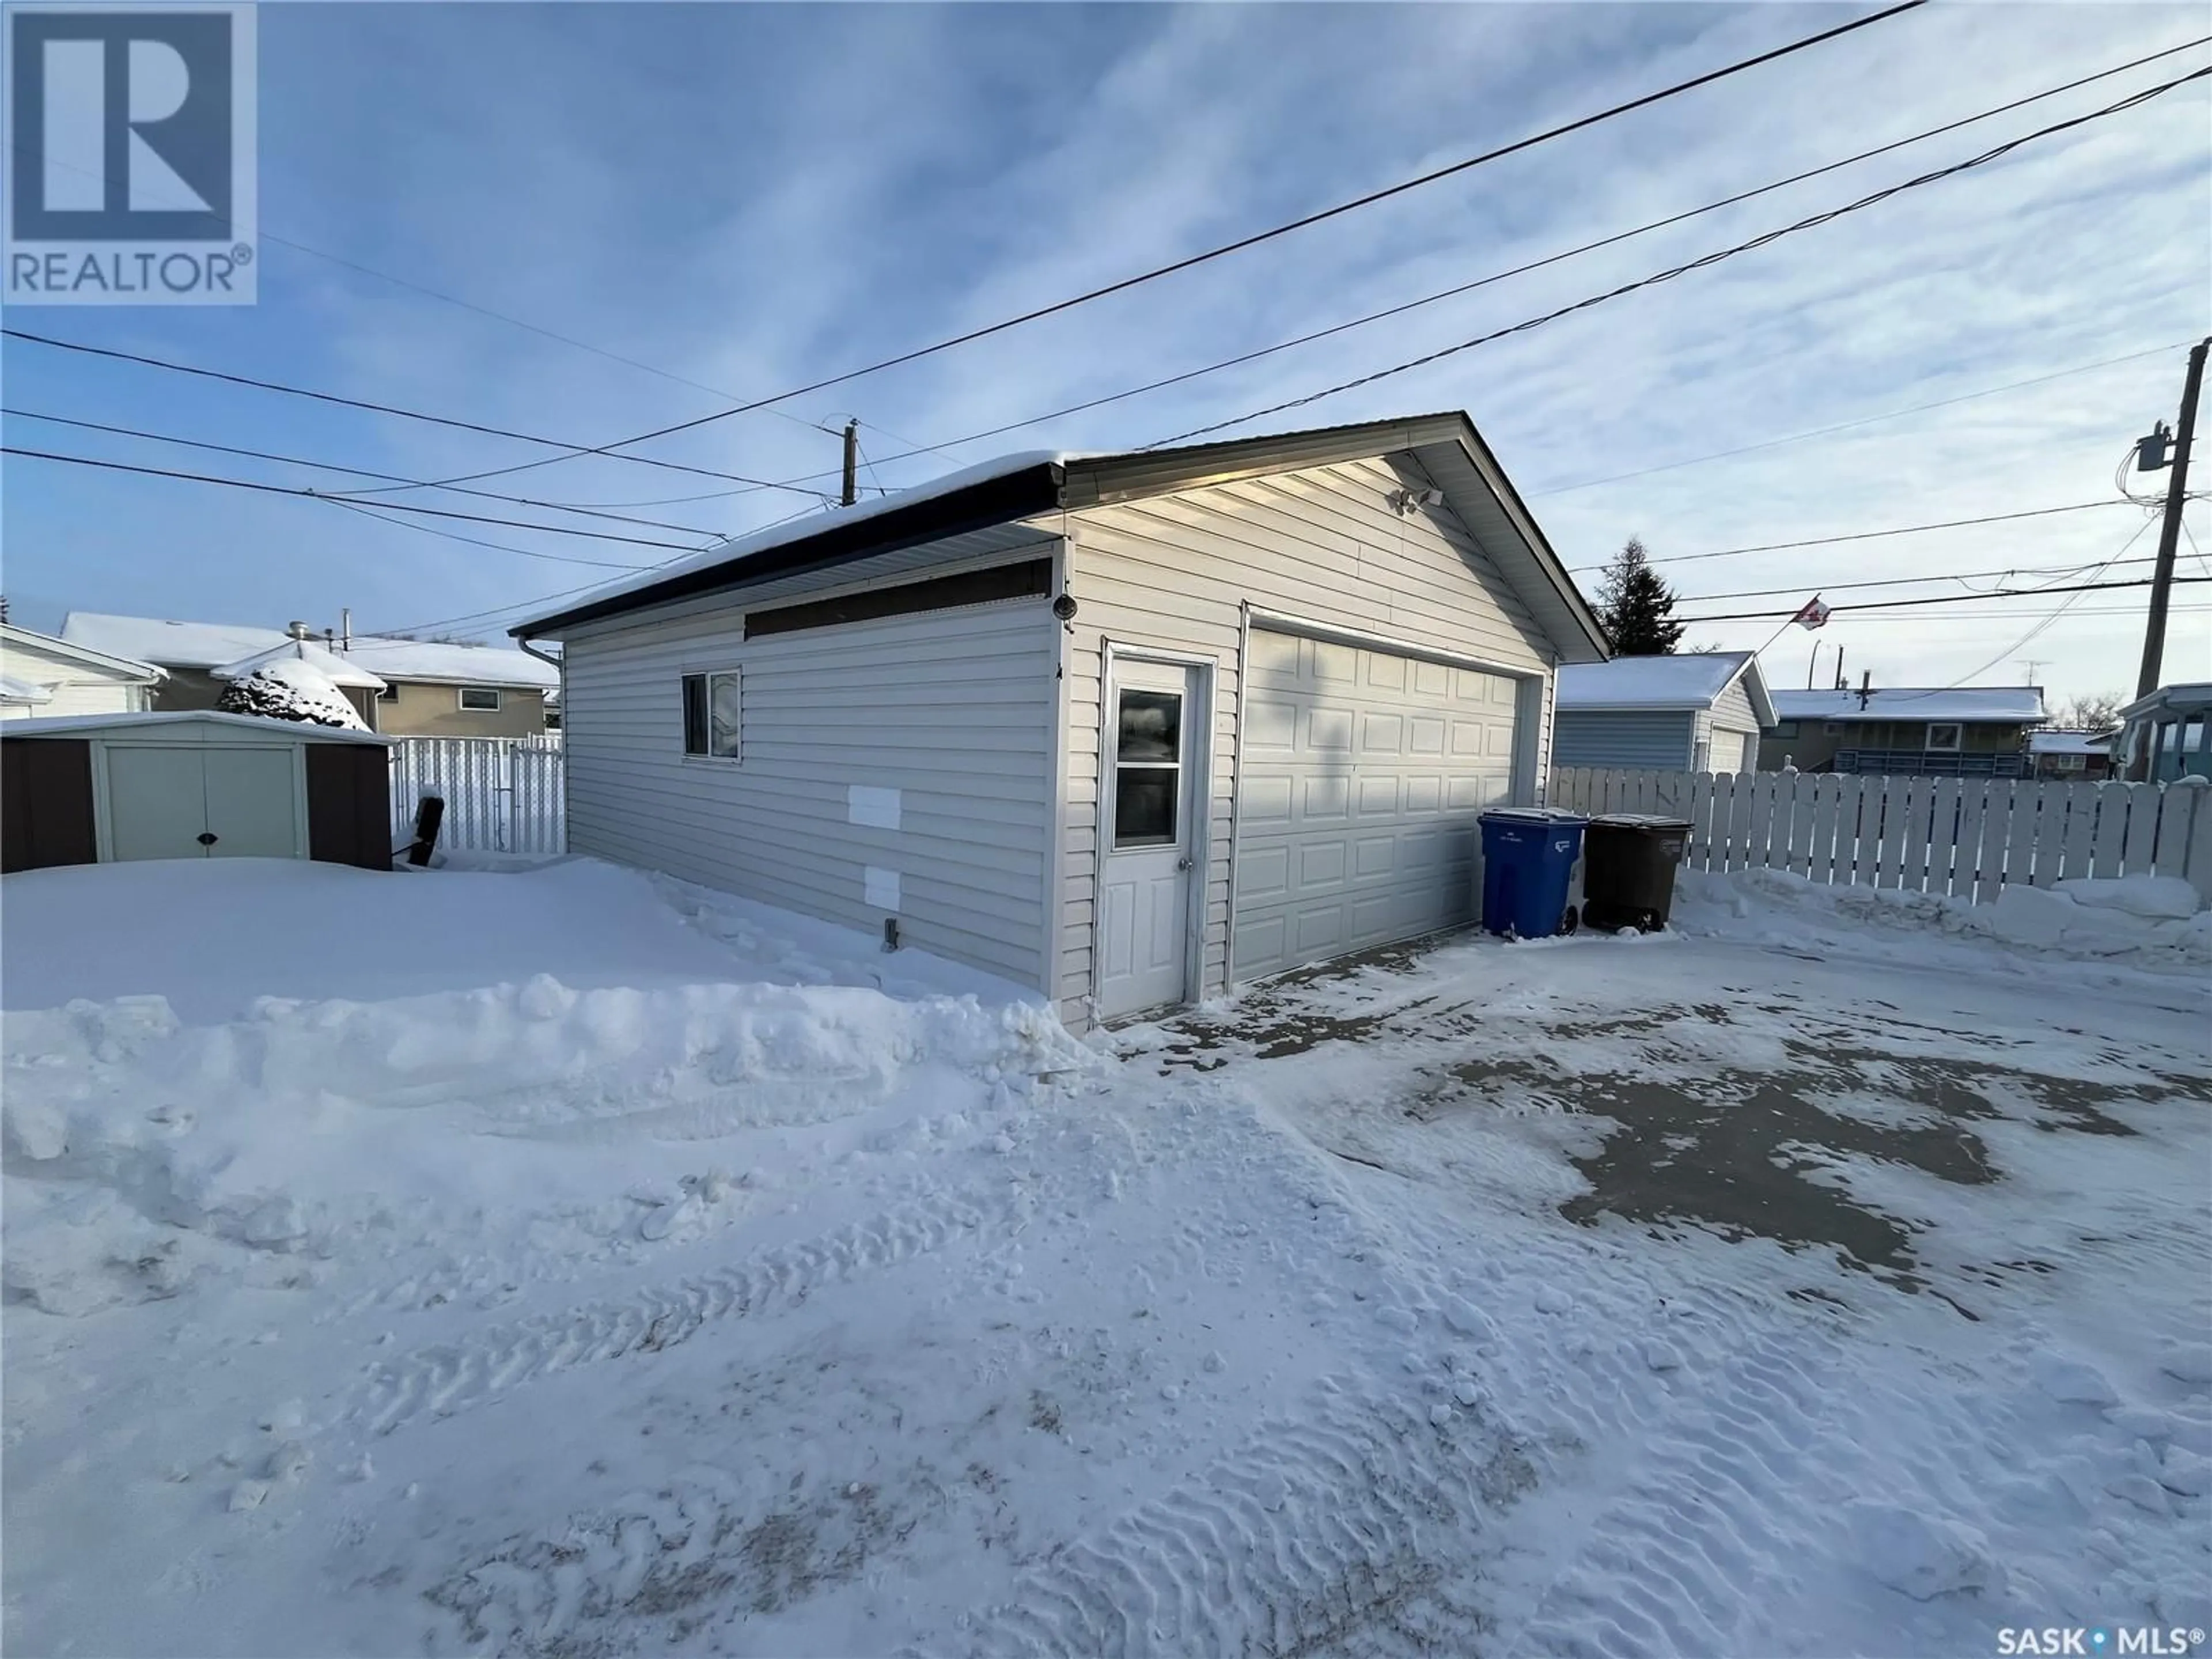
<point>1628,869</point>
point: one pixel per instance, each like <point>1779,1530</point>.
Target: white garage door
<point>1360,776</point>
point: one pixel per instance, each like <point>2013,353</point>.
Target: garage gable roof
<point>1033,484</point>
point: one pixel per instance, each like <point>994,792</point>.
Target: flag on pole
<point>1815,615</point>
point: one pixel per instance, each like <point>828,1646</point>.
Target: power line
<point>523,605</point>
<point>379,409</point>
<point>1849,426</point>
<point>1538,265</point>
<point>319,495</point>
<point>1947,599</point>
<point>1699,263</point>
<point>1253,241</point>
<point>333,466</point>
<point>1865,535</point>
<point>1902,581</point>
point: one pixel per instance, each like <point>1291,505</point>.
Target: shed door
<point>1360,775</point>
<point>157,801</point>
<point>180,802</point>
<point>251,807</point>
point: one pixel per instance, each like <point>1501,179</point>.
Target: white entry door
<point>1147,869</point>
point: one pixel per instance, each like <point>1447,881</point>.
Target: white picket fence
<point>501,794</point>
<point>1961,837</point>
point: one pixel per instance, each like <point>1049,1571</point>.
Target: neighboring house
<point>45,678</point>
<point>403,688</point>
<point>2072,754</point>
<point>1700,712</point>
<point>1903,730</point>
<point>1128,729</point>
<point>2171,725</point>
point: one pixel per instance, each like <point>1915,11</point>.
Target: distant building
<point>1905,731</point>
<point>2079,755</point>
<point>44,678</point>
<point>1702,711</point>
<point>2171,724</point>
<point>402,688</point>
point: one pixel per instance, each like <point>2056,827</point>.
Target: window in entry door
<point>1147,769</point>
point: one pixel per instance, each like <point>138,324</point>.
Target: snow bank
<point>2139,921</point>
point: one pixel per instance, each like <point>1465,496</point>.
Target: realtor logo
<point>131,152</point>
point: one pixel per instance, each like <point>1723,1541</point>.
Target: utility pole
<point>852,462</point>
<point>2031,664</point>
<point>1813,666</point>
<point>2169,534</point>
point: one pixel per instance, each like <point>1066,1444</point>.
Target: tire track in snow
<point>442,1379</point>
<point>1336,1530</point>
<point>1676,1553</point>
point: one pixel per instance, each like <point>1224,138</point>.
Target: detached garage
<point>195,785</point>
<point>1129,729</point>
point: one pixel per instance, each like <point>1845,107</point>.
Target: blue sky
<point>746,198</point>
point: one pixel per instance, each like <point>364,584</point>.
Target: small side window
<point>1943,735</point>
<point>388,692</point>
<point>482,699</point>
<point>1784,729</point>
<point>713,720</point>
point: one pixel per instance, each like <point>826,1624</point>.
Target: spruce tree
<point>1637,608</point>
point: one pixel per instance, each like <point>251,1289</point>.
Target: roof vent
<point>299,630</point>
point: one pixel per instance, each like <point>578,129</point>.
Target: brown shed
<point>196,784</point>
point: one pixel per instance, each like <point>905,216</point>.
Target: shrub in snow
<point>290,690</point>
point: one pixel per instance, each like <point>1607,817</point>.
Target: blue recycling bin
<point>1528,856</point>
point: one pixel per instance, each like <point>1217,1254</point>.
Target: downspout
<point>561,666</point>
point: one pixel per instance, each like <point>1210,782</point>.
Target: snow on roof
<point>1996,705</point>
<point>62,725</point>
<point>2069,743</point>
<point>1684,682</point>
<point>814,523</point>
<point>214,645</point>
<point>2185,696</point>
<point>54,645</point>
<point>18,691</point>
<point>333,667</point>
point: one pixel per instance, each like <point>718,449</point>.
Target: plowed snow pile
<point>563,1261</point>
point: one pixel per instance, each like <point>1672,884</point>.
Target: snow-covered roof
<point>814,523</point>
<point>54,645</point>
<point>18,691</point>
<point>2185,697</point>
<point>83,725</point>
<point>217,645</point>
<point>1652,683</point>
<point>1970,705</point>
<point>333,667</point>
<point>1038,486</point>
<point>2069,743</point>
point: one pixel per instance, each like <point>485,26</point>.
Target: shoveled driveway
<point>1826,1105</point>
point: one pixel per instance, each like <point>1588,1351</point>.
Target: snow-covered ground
<point>558,1261</point>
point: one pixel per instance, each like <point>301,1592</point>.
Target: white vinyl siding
<point>79,687</point>
<point>1631,739</point>
<point>1323,546</point>
<point>953,709</point>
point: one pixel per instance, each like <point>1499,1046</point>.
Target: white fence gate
<point>1959,837</point>
<point>501,794</point>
